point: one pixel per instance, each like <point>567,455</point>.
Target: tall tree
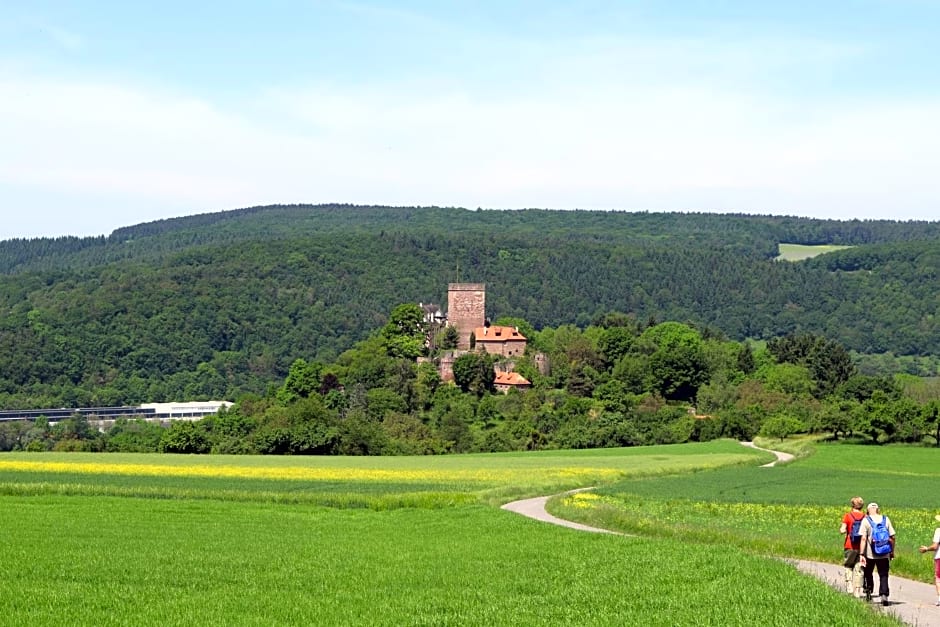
<point>405,333</point>
<point>677,362</point>
<point>828,361</point>
<point>474,373</point>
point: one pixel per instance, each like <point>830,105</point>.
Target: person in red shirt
<point>849,528</point>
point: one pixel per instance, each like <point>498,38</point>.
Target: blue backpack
<point>880,538</point>
<point>856,532</point>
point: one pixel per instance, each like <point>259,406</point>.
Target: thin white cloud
<point>671,148</point>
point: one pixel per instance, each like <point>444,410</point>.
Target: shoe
<point>884,601</point>
<point>868,596</point>
<point>937,603</point>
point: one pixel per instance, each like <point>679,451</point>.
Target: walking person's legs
<point>936,573</point>
<point>868,581</point>
<point>884,565</point>
<point>857,581</point>
<point>853,572</point>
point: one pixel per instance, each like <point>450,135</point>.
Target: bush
<point>184,436</point>
<point>781,426</point>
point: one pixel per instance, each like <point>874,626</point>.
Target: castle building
<point>466,310</point>
<point>503,341</point>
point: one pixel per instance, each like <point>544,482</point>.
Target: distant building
<point>187,410</point>
<point>105,416</point>
<point>432,313</point>
<point>503,341</point>
<point>506,381</point>
<point>434,321</point>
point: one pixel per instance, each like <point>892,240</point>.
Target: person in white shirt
<point>936,558</point>
<point>872,556</point>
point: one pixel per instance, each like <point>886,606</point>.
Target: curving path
<point>911,601</point>
<point>782,457</point>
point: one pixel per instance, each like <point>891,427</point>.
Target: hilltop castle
<point>466,312</point>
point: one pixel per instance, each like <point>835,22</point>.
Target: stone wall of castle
<point>466,309</point>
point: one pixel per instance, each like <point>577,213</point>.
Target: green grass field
<point>798,252</point>
<point>160,540</point>
<point>791,510</point>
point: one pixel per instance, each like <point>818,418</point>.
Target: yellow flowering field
<point>491,478</point>
<point>306,473</point>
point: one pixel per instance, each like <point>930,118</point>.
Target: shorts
<point>936,568</point>
<point>849,558</point>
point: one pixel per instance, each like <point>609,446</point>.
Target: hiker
<point>936,558</point>
<point>850,527</point>
<point>877,549</point>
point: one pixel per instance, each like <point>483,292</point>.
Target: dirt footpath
<point>535,508</point>
<point>782,457</point>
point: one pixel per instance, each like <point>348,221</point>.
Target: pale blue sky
<point>114,113</point>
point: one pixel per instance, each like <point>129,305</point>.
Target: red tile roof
<point>497,334</point>
<point>510,378</point>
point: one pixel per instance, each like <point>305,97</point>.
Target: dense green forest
<point>220,305</point>
<point>617,382</point>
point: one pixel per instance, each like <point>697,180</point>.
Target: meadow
<point>792,510</point>
<point>799,252</point>
<point>182,540</point>
<point>370,482</point>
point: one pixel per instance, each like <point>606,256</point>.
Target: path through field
<point>782,457</point>
<point>911,601</point>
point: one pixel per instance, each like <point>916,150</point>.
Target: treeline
<point>738,234</point>
<point>617,382</point>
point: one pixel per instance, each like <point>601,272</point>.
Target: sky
<point>117,113</point>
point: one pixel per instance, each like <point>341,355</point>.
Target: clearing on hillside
<point>799,252</point>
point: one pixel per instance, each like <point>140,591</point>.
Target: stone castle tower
<point>466,310</point>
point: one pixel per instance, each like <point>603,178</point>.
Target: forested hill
<point>222,303</point>
<point>740,234</point>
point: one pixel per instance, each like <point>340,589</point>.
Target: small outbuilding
<point>506,381</point>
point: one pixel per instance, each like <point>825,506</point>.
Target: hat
<point>873,505</point>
